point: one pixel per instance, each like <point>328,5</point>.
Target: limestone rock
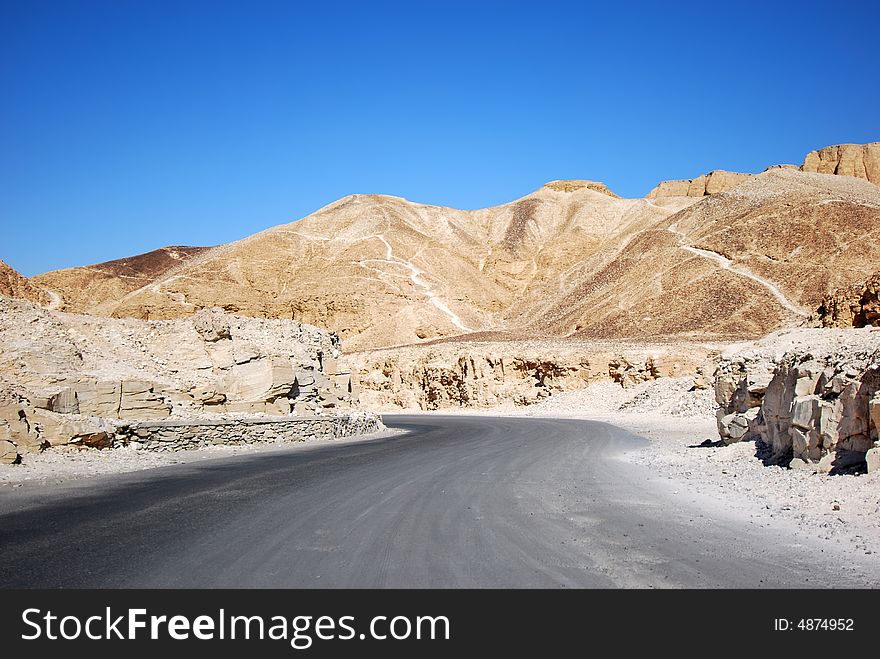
<point>874,415</point>
<point>857,305</point>
<point>8,452</point>
<point>857,160</point>
<point>817,404</point>
<point>572,186</point>
<point>872,458</point>
<point>59,430</point>
<point>212,325</point>
<point>708,184</point>
<point>802,465</point>
<point>13,284</point>
<point>486,374</point>
<point>16,423</point>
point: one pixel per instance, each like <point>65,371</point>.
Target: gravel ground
<point>842,510</point>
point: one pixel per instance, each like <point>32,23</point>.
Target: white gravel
<point>841,510</point>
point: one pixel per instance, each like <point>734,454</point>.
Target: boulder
<point>872,458</point>
<point>16,421</point>
<point>813,406</point>
<point>212,325</point>
<point>8,453</point>
<point>260,380</point>
<point>59,430</point>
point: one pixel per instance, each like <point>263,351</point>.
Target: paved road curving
<point>459,501</point>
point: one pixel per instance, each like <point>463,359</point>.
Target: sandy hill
<point>726,255</point>
<point>14,284</point>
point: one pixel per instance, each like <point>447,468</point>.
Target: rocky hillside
<point>725,256</point>
<point>67,378</point>
<point>16,285</point>
<point>99,288</point>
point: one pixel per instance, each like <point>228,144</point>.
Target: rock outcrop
<point>815,408</point>
<point>575,185</point>
<point>857,305</point>
<point>708,184</point>
<point>70,379</point>
<point>498,373</point>
<point>857,160</point>
<point>13,284</point>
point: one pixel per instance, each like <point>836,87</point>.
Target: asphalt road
<point>458,501</point>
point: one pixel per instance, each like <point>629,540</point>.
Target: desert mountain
<point>14,284</point>
<point>726,255</point>
<point>99,287</point>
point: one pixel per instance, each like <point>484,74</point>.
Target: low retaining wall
<point>177,435</point>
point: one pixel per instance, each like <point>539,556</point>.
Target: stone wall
<point>177,435</point>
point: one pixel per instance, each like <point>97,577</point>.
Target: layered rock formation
<point>574,186</point>
<point>857,305</point>
<point>816,406</point>
<point>858,160</point>
<point>67,378</point>
<point>714,182</point>
<point>486,374</point>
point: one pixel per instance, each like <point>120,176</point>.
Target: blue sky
<point>129,125</point>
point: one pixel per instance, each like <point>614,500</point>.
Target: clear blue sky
<point>129,125</point>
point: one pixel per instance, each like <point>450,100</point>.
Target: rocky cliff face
<point>857,160</point>
<point>815,406</point>
<point>487,374</point>
<point>69,379</point>
<point>15,285</point>
<point>714,182</point>
<point>857,305</point>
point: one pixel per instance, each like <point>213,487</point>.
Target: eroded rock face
<point>496,374</point>
<point>14,284</point>
<point>8,452</point>
<point>857,160</point>
<point>69,379</point>
<point>574,186</point>
<point>708,184</point>
<point>852,306</point>
<point>740,386</point>
<point>820,409</point>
